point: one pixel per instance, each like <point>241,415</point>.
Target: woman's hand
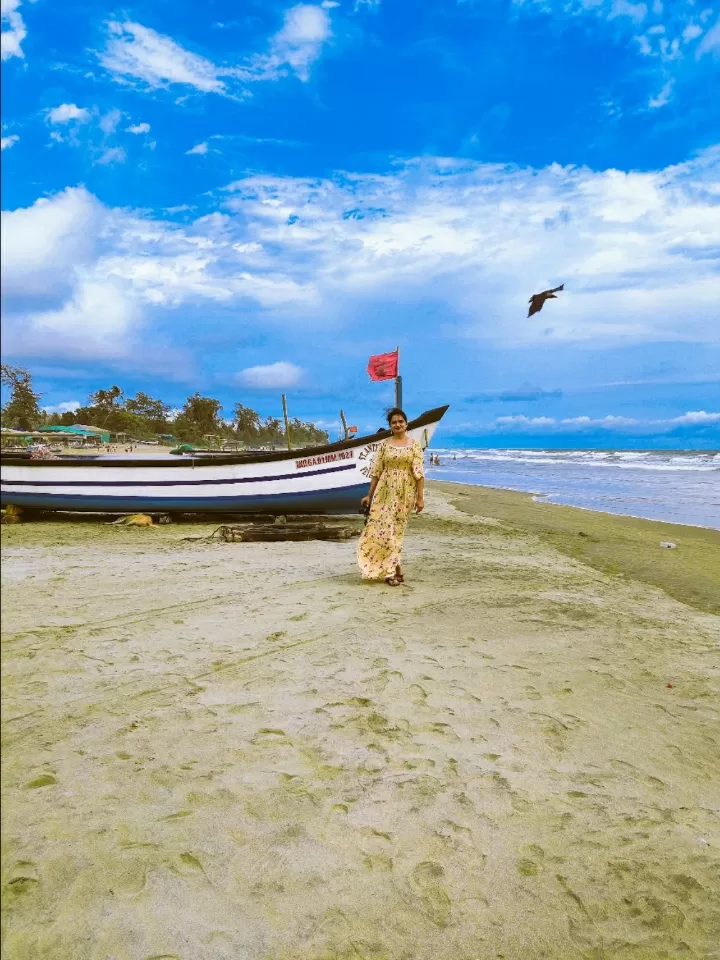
<point>420,505</point>
<point>365,502</point>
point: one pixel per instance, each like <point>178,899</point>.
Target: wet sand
<point>242,752</point>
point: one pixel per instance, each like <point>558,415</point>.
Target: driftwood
<point>299,529</point>
<point>270,534</point>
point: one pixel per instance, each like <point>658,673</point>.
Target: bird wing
<point>555,289</point>
<point>536,303</point>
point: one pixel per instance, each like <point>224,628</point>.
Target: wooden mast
<point>398,383</point>
<point>287,422</point>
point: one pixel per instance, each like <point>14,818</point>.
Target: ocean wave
<point>702,461</point>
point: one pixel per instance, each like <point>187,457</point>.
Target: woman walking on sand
<point>397,487</point>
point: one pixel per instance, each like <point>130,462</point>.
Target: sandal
<point>393,581</point>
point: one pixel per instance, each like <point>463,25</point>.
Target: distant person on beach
<point>397,487</point>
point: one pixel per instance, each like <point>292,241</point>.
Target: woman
<point>397,487</point>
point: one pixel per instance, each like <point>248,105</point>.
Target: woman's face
<point>398,425</point>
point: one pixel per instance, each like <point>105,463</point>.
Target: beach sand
<point>242,752</point>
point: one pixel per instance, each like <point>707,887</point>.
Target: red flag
<point>383,366</point>
<point>352,429</point>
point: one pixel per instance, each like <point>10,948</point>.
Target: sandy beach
<point>238,751</point>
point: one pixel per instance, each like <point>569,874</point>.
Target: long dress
<point>380,546</point>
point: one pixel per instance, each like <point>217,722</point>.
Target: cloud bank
<point>633,249</point>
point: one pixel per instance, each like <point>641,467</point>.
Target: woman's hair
<point>396,412</point>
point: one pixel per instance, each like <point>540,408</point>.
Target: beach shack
<point>23,439</point>
<point>79,430</point>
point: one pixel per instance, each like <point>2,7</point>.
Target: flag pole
<point>398,382</point>
<point>287,422</point>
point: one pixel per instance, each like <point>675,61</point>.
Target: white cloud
<point>13,32</point>
<point>139,53</point>
<point>97,321</point>
<point>137,128</point>
<point>524,424</point>
<point>520,420</point>
<point>637,12</point>
<point>7,142</point>
<point>112,155</point>
<point>109,122</point>
<point>273,376</point>
<point>663,97</point>
<point>67,112</point>
<point>661,30</point>
<point>199,148</point>
<point>66,406</point>
<point>696,417</point>
<point>299,43</point>
<point>135,52</point>
<point>44,243</point>
<point>710,42</point>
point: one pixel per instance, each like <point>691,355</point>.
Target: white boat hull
<point>327,480</point>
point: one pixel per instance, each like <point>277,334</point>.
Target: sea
<point>677,486</point>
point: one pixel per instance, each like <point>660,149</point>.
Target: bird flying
<point>537,300</point>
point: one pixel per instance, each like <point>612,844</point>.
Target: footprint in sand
<point>23,878</point>
<point>623,766</point>
<point>444,729</point>
<point>609,680</point>
<point>655,913</point>
<point>186,865</point>
<point>128,878</point>
<point>426,883</point>
<point>533,851</point>
<point>377,684</point>
<point>46,780</point>
<point>417,694</point>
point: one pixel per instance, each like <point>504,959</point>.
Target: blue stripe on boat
<point>341,500</point>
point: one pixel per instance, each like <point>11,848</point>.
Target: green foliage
<point>246,423</point>
<point>154,411</point>
<point>200,417</point>
<point>23,408</point>
<point>111,399</point>
<point>143,417</point>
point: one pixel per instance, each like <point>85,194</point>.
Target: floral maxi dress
<point>398,470</point>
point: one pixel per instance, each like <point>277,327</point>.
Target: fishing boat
<point>331,479</point>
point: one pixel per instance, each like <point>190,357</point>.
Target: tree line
<point>144,418</point>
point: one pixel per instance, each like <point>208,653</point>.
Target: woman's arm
<point>373,485</point>
<point>418,469</point>
<point>377,470</point>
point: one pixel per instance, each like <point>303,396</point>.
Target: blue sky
<point>250,198</point>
